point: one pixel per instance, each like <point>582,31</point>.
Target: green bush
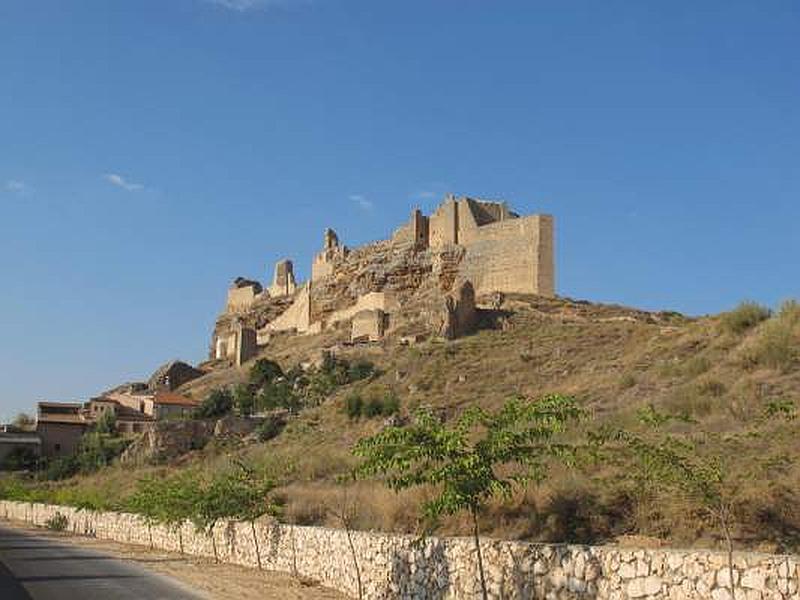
<point>269,429</point>
<point>264,371</point>
<point>391,405</point>
<point>61,468</point>
<point>353,406</point>
<point>744,317</point>
<point>373,408</point>
<point>361,369</point>
<point>244,399</point>
<point>217,404</point>
<point>107,423</point>
<point>278,395</point>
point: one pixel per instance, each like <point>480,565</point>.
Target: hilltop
<point>720,370</point>
<point>458,309</point>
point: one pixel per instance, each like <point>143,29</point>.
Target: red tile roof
<point>173,399</point>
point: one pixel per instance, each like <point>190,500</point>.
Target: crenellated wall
<point>399,566</point>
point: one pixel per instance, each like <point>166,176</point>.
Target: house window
<point>58,447</point>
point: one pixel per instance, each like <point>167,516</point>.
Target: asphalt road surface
<point>41,568</point>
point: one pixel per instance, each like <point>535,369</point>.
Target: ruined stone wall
<point>296,317</point>
<point>443,225</point>
<point>398,566</point>
<point>511,256</point>
<point>241,299</point>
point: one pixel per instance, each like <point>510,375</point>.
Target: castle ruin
<point>427,277</point>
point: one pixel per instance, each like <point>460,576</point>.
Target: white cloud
<point>17,187</point>
<point>245,5</point>
<point>427,194</point>
<point>363,202</point>
<point>121,182</point>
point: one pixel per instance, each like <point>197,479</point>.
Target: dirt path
<point>219,581</point>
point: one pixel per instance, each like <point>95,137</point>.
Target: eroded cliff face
<point>406,283</point>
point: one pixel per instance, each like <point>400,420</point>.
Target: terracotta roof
<point>174,399</point>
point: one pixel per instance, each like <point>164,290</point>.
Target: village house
<point>61,425</point>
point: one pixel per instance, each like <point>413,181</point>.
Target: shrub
<point>19,459</point>
<point>391,405</point>
<point>217,404</point>
<point>57,522</point>
<point>744,317</point>
<point>61,468</point>
<point>776,348</point>
<point>361,369</point>
<point>269,429</point>
<point>373,408</point>
<point>278,395</point>
<point>264,371</point>
<point>353,406</point>
<point>777,345</point>
<point>107,423</point>
<point>627,381</point>
<point>244,400</point>
<point>98,450</point>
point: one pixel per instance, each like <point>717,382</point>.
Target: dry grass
<point>613,359</point>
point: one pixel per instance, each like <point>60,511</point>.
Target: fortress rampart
<point>390,283</point>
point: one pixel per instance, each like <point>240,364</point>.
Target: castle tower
<point>283,282</point>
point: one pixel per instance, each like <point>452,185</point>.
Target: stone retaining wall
<point>396,566</point>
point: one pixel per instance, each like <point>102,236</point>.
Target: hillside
<point>721,370</point>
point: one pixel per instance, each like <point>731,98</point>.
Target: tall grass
<point>745,316</point>
<point>778,344</point>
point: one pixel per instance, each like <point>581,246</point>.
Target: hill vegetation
<point>720,374</point>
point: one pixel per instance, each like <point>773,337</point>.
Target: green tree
<point>705,467</point>
<point>481,456</point>
<point>239,494</point>
<point>24,422</point>
<point>148,501</point>
<point>217,404</point>
<point>169,501</point>
<point>107,423</point>
<point>278,395</point>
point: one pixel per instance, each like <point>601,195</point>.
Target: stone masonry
<point>481,243</point>
<point>399,566</point>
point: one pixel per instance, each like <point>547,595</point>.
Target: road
<point>41,568</point>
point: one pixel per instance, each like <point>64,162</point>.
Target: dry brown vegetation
<point>720,370</point>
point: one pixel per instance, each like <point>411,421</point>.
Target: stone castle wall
<point>398,566</point>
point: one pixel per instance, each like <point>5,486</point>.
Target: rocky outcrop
<point>232,426</point>
<point>457,315</point>
<point>168,440</point>
<point>172,375</point>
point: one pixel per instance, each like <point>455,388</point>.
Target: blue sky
<point>152,150</point>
